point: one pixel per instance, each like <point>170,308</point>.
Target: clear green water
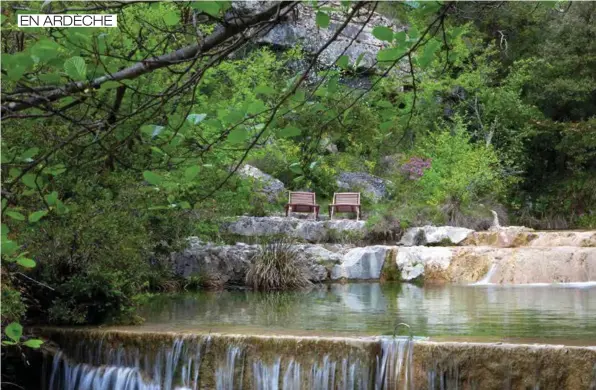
<point>525,313</point>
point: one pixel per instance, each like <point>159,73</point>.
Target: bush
<point>449,179</point>
<point>101,254</point>
<point>277,266</point>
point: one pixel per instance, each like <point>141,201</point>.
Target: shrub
<point>277,266</point>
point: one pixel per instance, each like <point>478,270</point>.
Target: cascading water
<point>394,365</point>
<point>166,361</point>
<point>183,362</point>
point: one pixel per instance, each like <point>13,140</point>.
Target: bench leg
<point>358,214</point>
<point>331,210</point>
<point>289,211</point>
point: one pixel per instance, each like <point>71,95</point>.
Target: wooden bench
<point>345,202</point>
<point>302,202</point>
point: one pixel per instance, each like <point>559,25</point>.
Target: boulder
<point>221,265</point>
<point>361,263</point>
<point>413,262</point>
<point>272,188</point>
<point>432,235</point>
<point>372,186</point>
<point>306,230</point>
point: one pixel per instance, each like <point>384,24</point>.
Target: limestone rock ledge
<point>301,229</point>
<point>228,264</point>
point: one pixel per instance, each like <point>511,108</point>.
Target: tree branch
<point>184,54</point>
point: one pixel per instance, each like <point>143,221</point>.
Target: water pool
<point>546,314</point>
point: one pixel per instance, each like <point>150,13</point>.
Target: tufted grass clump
<point>277,266</point>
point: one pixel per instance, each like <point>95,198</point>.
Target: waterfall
<point>394,367</point>
<point>225,373</point>
<point>192,363</point>
<point>486,279</point>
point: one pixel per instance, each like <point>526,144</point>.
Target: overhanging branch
<point>184,54</point>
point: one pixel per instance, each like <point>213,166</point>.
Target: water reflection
<point>548,312</point>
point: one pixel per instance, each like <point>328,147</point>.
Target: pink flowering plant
<point>414,168</point>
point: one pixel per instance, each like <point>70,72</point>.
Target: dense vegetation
<point>104,176</point>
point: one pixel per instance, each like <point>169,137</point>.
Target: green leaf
<point>386,125</point>
<point>238,135</point>
<point>384,104</point>
<point>289,131</point>
<point>29,180</point>
<point>152,130</point>
<point>36,216</point>
<point>33,343</point>
<point>383,33</point>
<point>343,62</point>
<point>110,85</point>
<point>55,170</point>
<point>14,331</point>
<point>50,78</point>
<point>392,54</point>
<point>296,168</point>
<point>234,116</point>
<point>400,38</point>
<point>191,172</point>
<point>45,49</point>
<point>322,19</point>
<point>256,107</point>
<point>8,342</point>
<point>195,119</point>
<point>9,247</point>
<point>265,90</point>
<point>26,156</point>
<point>171,18</point>
<point>76,68</point>
<point>359,60</point>
<point>152,178</point>
<point>208,7</point>
<point>15,215</point>
<point>184,205</point>
<point>26,262</point>
<point>16,72</point>
<point>428,54</point>
<point>299,96</point>
<point>51,198</point>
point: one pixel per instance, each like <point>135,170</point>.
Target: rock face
<point>372,186</point>
<point>228,264</point>
<point>432,235</point>
<point>301,30</point>
<point>307,230</point>
<point>270,186</point>
<point>507,238</point>
<point>361,263</point>
<point>507,265</point>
